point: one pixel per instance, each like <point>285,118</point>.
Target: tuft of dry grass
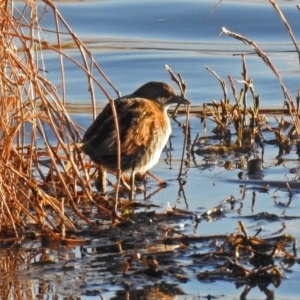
<point>247,121</point>
<point>38,178</point>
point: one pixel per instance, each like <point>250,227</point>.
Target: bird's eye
<point>166,94</point>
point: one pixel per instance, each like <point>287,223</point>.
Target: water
<point>132,41</point>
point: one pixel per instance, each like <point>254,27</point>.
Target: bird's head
<point>160,92</point>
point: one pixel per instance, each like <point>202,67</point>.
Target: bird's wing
<point>99,138</point>
<point>139,130</point>
<point>139,119</point>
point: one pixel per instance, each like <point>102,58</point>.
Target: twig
<point>287,26</point>
<point>222,82</point>
<point>184,140</point>
<point>213,9</point>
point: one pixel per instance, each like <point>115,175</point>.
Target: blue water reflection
<point>133,40</point>
<point>188,21</point>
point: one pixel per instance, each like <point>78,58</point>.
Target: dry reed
<point>39,177</point>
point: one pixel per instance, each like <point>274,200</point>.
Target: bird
<point>144,129</point>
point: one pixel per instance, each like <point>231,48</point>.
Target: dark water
<point>132,40</point>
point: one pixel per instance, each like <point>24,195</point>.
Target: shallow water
<point>132,41</point>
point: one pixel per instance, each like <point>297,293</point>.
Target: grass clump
<point>42,169</point>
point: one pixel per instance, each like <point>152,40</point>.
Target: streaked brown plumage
<point>144,129</point>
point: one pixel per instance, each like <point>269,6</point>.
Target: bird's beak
<point>179,100</point>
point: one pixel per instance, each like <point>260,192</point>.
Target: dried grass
<point>246,119</point>
<point>38,177</point>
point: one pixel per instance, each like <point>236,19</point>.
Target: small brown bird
<point>144,129</point>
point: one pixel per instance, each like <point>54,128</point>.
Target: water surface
<point>132,41</point>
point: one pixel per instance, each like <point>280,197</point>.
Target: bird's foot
<point>161,182</point>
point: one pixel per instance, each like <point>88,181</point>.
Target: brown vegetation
<point>43,182</point>
<point>39,179</point>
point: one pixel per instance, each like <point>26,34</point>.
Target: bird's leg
<point>129,185</point>
<point>125,184</point>
<point>101,180</point>
<point>132,185</point>
<point>160,181</point>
